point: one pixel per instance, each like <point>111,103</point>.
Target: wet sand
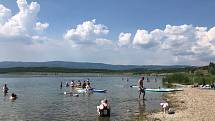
<point>192,104</point>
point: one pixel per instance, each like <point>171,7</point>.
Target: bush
<point>207,79</point>
<point>181,78</point>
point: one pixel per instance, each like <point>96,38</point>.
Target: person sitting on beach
<point>84,85</point>
<point>13,96</point>
<point>203,83</point>
<point>72,84</point>
<point>5,88</point>
<point>103,109</point>
<point>141,88</point>
<point>213,85</point>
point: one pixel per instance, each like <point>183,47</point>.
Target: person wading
<point>141,88</point>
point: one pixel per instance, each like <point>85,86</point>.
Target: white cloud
<point>181,44</point>
<point>179,39</point>
<point>86,32</point>
<point>5,14</point>
<point>103,42</point>
<point>41,26</point>
<point>22,23</point>
<point>124,39</point>
<point>184,42</point>
<point>211,34</point>
<point>147,39</point>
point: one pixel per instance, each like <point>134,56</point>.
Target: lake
<point>40,98</point>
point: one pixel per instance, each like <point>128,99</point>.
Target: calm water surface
<point>40,98</point>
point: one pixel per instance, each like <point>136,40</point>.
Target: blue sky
<point>120,16</point>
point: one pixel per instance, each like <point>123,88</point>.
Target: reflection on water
<point>104,119</point>
<point>40,98</point>
<point>141,109</point>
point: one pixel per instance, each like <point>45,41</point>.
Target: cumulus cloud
<point>188,42</point>
<point>5,14</point>
<point>181,44</point>
<point>211,34</point>
<point>103,42</point>
<point>185,42</point>
<point>146,39</point>
<point>41,26</point>
<point>124,39</point>
<point>86,31</point>
<point>23,23</point>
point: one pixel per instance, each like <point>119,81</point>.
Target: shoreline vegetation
<point>60,70</point>
<point>192,104</point>
<point>195,76</point>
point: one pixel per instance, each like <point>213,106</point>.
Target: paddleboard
<point>66,93</point>
<point>159,89</point>
<point>71,94</point>
<point>91,90</point>
<point>163,90</point>
<point>133,86</point>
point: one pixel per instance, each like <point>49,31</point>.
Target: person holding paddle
<point>141,88</point>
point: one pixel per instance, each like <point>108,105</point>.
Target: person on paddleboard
<point>141,88</point>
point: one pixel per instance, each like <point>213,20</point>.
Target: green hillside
<point>198,75</point>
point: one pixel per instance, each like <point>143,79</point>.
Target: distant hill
<point>86,65</point>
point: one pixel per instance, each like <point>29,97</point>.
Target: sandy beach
<point>192,104</point>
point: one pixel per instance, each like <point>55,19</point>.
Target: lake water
<point>40,99</point>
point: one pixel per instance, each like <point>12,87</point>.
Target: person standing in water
<point>5,88</point>
<point>141,88</point>
<point>61,85</point>
<point>67,84</point>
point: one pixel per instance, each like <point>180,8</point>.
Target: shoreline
<point>192,104</point>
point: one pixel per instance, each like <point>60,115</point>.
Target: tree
<point>211,68</point>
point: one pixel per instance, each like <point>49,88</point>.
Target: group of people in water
<point>78,84</point>
<point>5,90</point>
<point>103,109</point>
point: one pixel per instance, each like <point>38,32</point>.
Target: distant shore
<point>192,104</point>
<point>47,74</point>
